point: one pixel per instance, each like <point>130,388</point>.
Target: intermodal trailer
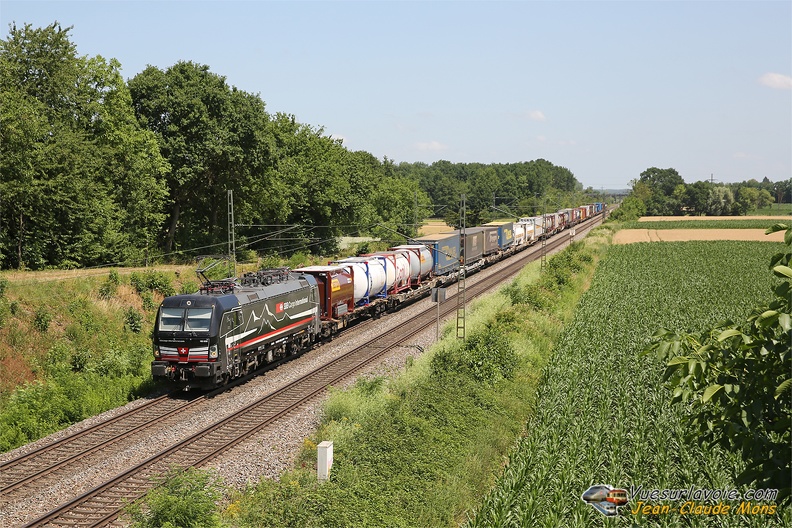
<point>505,234</point>
<point>445,248</point>
<point>474,245</point>
<point>489,236</point>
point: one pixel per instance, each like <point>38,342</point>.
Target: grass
<point>774,209</point>
<point>71,349</point>
<point>420,449</point>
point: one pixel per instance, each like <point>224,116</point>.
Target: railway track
<point>103,504</point>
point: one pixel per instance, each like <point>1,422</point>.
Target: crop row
<point>604,415</point>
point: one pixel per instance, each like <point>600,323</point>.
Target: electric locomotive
<point>230,328</point>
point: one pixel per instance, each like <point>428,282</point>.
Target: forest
<point>98,170</point>
<point>663,192</point>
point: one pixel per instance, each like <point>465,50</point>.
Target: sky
<point>605,89</point>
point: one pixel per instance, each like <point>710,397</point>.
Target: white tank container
<point>360,277</point>
<point>519,234</point>
<point>388,261</point>
<point>421,261</point>
<point>368,276</point>
<point>401,262</point>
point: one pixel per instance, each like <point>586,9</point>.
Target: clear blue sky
<point>606,89</point>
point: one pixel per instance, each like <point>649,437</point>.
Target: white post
<point>324,460</point>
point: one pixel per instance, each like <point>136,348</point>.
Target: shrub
<point>133,320</point>
<point>42,319</point>
<point>80,359</point>
<point>107,290</point>
<point>188,287</point>
<point>113,277</point>
<point>3,286</point>
<point>152,281</point>
<point>5,312</point>
<point>486,356</point>
<point>185,499</point>
<point>148,301</point>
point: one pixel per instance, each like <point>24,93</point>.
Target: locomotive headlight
<point>157,352</point>
<point>213,352</point>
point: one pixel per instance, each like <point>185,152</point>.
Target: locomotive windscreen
<point>187,320</point>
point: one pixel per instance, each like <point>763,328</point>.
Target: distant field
<point>705,224</point>
<point>629,236</point>
<point>434,226</point>
<point>775,209</point>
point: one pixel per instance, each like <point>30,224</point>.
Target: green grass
<point>422,448</point>
<point>71,349</point>
<point>774,209</point>
<point>604,414</point>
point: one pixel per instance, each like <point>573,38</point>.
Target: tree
<point>66,126</point>
<point>720,201</point>
<point>662,181</point>
<point>216,138</point>
<point>696,198</point>
<point>747,198</point>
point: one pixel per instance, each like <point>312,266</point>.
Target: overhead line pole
<point>461,280</point>
<point>231,239</point>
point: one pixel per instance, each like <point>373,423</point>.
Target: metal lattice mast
<point>461,281</point>
<point>231,240</point>
<point>543,260</point>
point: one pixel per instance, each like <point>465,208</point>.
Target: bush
<point>5,312</point>
<point>3,286</point>
<point>148,301</point>
<point>107,290</point>
<point>133,320</point>
<point>186,499</point>
<point>188,287</point>
<point>487,356</point>
<point>152,281</point>
<point>42,319</point>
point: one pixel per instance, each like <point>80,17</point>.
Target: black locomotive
<point>230,328</point>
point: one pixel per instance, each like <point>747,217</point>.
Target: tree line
<point>97,170</point>
<point>663,192</point>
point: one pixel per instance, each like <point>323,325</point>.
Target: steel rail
<point>104,503</point>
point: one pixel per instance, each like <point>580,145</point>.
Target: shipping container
<point>505,234</point>
<point>445,250</point>
<point>489,235</point>
<point>474,245</point>
<point>336,289</point>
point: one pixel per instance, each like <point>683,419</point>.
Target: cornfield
<point>604,414</point>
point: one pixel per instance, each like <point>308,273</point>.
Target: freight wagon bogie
<point>232,327</point>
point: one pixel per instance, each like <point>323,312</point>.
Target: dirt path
<point>684,218</point>
<point>629,236</point>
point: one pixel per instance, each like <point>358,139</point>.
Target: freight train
<point>231,327</point>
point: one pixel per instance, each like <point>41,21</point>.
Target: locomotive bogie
<point>233,327</point>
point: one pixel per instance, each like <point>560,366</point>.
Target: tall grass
<point>422,448</point>
<point>73,348</point>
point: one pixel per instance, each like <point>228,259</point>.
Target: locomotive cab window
<point>198,320</point>
<point>171,319</point>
